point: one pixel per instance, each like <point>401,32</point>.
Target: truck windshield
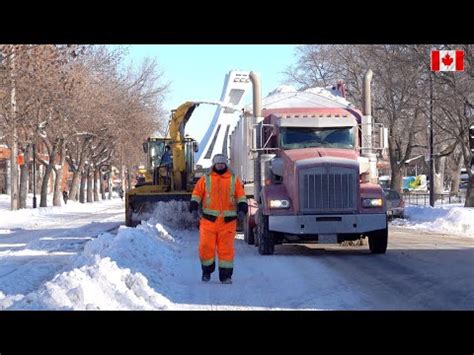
<point>306,137</point>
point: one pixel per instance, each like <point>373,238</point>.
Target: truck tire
<point>249,236</point>
<point>266,245</point>
<point>378,241</point>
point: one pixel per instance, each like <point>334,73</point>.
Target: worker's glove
<point>193,208</point>
<point>242,209</point>
<point>243,206</point>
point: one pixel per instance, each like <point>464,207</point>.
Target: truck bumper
<point>327,224</point>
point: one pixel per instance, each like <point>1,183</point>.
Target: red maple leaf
<point>447,60</point>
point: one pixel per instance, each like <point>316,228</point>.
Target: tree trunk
<point>96,180</point>
<point>83,186</point>
<point>14,197</point>
<point>470,192</point>
<point>47,175</point>
<point>122,177</point>
<point>129,179</point>
<point>102,182</point>
<point>24,170</point>
<point>455,174</point>
<point>109,181</point>
<point>89,184</point>
<point>438,179</point>
<point>396,178</point>
<point>57,196</point>
<point>44,186</point>
<point>77,174</point>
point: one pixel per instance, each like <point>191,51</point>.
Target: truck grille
<point>328,189</point>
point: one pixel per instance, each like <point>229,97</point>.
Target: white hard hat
<point>219,158</point>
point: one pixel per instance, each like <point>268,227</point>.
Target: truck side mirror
<point>195,146</point>
<point>145,147</point>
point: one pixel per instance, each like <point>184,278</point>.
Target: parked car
<point>395,204</point>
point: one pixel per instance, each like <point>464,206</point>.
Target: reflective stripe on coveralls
<point>216,213</point>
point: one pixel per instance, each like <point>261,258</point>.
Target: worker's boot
<point>207,270</point>
<point>225,275</point>
<point>227,281</point>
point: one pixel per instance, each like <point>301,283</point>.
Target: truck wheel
<point>249,237</point>
<point>378,241</point>
<point>266,245</point>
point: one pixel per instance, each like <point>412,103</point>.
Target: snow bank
<point>7,301</point>
<point>130,270</point>
<point>443,219</point>
<point>43,216</point>
<point>99,285</point>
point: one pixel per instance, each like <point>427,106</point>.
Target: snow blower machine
<point>169,169</point>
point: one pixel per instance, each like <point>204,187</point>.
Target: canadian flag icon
<point>447,60</point>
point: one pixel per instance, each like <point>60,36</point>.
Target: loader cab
<point>156,149</point>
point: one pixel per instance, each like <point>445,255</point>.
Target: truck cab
<point>314,188</point>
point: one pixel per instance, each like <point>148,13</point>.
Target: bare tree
<point>398,100</point>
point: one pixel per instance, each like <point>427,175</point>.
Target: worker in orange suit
<point>223,200</point>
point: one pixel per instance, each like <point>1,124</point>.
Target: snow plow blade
<point>139,205</point>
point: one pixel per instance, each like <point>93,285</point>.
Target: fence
<point>440,199</point>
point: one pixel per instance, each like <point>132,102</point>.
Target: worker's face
<point>220,166</point>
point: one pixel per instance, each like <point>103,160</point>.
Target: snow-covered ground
<point>73,257</point>
<point>37,244</point>
<point>451,219</point>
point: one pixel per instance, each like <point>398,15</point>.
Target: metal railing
<point>423,199</point>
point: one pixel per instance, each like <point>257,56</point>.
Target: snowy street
<point>77,257</point>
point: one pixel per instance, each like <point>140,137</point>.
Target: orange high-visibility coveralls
<point>219,195</point>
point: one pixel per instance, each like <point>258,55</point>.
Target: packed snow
<point>86,260</point>
<point>450,219</point>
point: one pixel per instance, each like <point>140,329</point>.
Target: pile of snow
<point>130,270</point>
<point>282,89</point>
<point>7,301</point>
<point>174,214</point>
<point>453,219</point>
<point>330,93</point>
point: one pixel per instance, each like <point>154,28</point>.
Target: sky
<point>197,72</point>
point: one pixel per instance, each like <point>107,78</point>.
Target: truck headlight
<point>279,204</point>
<point>372,202</point>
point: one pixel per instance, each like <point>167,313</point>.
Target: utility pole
<point>432,200</point>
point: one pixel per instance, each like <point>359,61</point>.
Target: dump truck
<point>308,163</point>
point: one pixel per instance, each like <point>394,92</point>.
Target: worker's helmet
<point>219,158</point>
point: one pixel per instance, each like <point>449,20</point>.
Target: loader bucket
<point>140,206</point>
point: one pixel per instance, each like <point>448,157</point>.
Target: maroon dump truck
<point>308,163</point>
